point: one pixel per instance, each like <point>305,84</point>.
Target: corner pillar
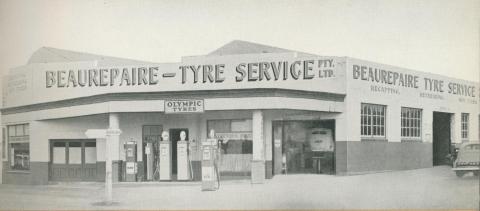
<point>258,156</point>
<point>113,146</point>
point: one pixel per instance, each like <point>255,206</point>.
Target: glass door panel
<point>75,153</point>
<point>59,153</point>
<point>90,153</point>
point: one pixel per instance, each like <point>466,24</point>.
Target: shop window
<point>373,121</point>
<point>18,140</point>
<point>235,135</point>
<point>464,125</point>
<point>241,125</point>
<point>411,123</point>
<point>220,126</point>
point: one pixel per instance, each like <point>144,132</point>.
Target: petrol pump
<point>183,161</point>
<point>131,161</point>
<point>210,176</point>
<point>165,166</point>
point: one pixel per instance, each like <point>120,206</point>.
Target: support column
<point>113,146</point>
<point>258,157</point>
<point>455,128</point>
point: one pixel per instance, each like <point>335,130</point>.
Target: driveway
<point>432,188</point>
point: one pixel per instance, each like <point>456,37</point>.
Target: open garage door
<point>441,137</point>
<point>303,147</point>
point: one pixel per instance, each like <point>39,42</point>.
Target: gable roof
<point>53,55</point>
<point>244,47</point>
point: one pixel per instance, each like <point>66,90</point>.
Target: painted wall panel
<point>427,94</point>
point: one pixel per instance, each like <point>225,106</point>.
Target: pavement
<point>432,188</point>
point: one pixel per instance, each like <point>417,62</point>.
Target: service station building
<point>274,111</point>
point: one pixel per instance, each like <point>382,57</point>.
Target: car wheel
<point>459,173</point>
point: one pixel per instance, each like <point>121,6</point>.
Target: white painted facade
<point>359,91</point>
<point>54,112</point>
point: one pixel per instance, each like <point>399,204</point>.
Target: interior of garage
<point>304,147</point>
<point>441,138</point>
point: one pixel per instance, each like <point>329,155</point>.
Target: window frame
<point>464,126</point>
<point>372,123</point>
<point>24,139</point>
<point>411,123</point>
<point>231,131</point>
<point>230,123</point>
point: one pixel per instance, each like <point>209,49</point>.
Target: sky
<point>438,36</point>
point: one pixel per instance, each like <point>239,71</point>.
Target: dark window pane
<point>75,144</point>
<point>59,144</point>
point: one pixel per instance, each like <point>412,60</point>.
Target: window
<point>90,152</point>
<point>75,152</point>
<point>59,153</point>
<point>411,126</point>
<point>235,134</point>
<point>18,140</point>
<point>464,126</point>
<point>373,120</point>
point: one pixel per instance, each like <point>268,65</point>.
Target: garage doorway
<point>303,147</point>
<point>73,160</point>
<point>441,138</point>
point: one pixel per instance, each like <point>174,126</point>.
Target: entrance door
<point>152,134</point>
<point>174,137</point>
<point>441,138</point>
<point>73,160</point>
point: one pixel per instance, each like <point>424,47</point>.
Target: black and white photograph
<point>240,105</point>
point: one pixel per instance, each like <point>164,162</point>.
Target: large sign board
<point>410,80</point>
<point>384,84</point>
<point>47,82</point>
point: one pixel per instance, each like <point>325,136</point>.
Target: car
<point>320,139</point>
<point>468,159</point>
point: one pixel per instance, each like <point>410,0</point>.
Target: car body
<point>321,139</point>
<point>468,159</point>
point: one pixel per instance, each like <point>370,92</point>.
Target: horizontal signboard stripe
<point>178,94</point>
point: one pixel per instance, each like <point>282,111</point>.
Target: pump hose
<point>218,176</point>
<point>189,163</point>
<point>217,158</point>
<point>157,163</point>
